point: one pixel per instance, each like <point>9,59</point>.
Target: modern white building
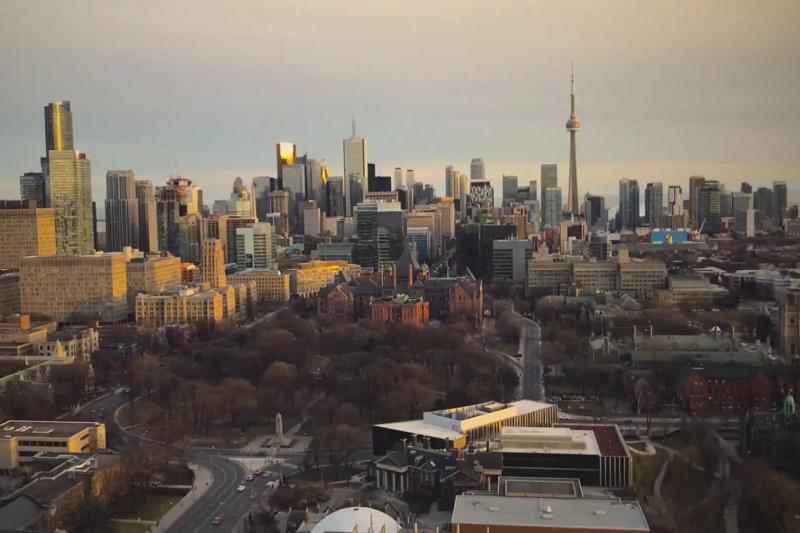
<point>510,259</point>
<point>255,246</point>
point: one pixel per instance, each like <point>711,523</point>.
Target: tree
<point>239,396</point>
<point>281,376</point>
<point>145,369</point>
<point>510,380</point>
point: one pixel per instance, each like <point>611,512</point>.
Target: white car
<point>241,488</point>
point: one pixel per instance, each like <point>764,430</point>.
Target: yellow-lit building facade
<point>308,278</point>
<point>152,274</point>
<point>271,285</point>
<point>65,287</point>
<point>25,230</point>
<point>20,440</point>
<point>192,305</point>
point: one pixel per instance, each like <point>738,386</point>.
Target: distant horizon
<point>663,90</point>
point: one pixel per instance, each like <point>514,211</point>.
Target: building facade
<point>25,230</point>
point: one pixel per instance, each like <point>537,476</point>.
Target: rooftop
<point>363,519</point>
<point>43,428</point>
<point>549,513</point>
<point>420,427</point>
<point>559,440</point>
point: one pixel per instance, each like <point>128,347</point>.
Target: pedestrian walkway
<point>203,479</point>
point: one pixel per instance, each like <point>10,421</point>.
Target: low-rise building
<point>789,327</point>
<point>21,440</point>
<point>151,274</point>
<point>454,428</point>
<point>510,259</point>
<point>308,278</point>
<point>400,309</point>
<point>79,342</point>
<point>193,305</point>
<point>693,291</point>
<point>271,285</point>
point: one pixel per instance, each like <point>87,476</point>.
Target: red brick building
<point>400,309</point>
<point>736,389</point>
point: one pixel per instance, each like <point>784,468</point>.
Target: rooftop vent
<point>600,512</point>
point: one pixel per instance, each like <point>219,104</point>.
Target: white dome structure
<point>361,519</point>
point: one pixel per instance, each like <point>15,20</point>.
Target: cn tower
<point>573,126</point>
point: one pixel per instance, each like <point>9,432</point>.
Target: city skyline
<point>686,113</point>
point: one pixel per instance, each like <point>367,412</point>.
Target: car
<point>241,488</point>
<point>258,472</point>
<point>251,477</point>
<point>217,520</point>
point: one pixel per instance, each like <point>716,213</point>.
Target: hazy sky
<point>205,89</point>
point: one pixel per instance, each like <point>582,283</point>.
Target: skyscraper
<point>595,211</point>
<point>213,266</point>
<point>355,169</point>
<point>552,207</point>
<point>694,200</point>
<point>677,218</point>
<point>262,185</point>
<point>762,201</point>
<point>573,127</point>
<point>148,216</point>
<point>510,187</point>
<point>122,211</point>
<point>450,181</point>
<point>463,193</point>
<point>746,187</point>
<point>628,204</point>
<point>32,186</point>
<point>410,187</point>
<point>69,186</point>
<point>254,246</point>
<point>285,153</point>
<point>709,207</point>
<point>477,169</point>
<point>58,126</point>
<point>779,199</point>
<point>654,204</point>
<point>549,179</point>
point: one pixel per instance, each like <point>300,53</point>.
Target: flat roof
<point>580,513</point>
<point>560,440</point>
<point>420,427</point>
<point>43,428</point>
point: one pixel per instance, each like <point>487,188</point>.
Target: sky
<point>205,89</point>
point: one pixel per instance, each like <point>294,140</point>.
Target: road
<point>532,370</point>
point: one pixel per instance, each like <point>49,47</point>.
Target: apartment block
<point>25,230</point>
<point>67,288</point>
<point>271,285</point>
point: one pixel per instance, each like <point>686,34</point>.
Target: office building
<point>316,177</point>
<point>151,274</point>
<point>709,207</point>
<point>510,260</point>
<point>336,197</point>
<point>763,201</point>
<point>779,199</point>
<point>628,204</point>
<point>313,223</point>
<point>20,440</point>
<point>355,169</point>
<point>213,264</point>
<point>481,197</point>
<point>32,186</point>
<point>185,306</point>
<point>451,184</point>
<point>308,278</point>
<point>510,188</point>
<point>72,288</point>
<point>789,324</point>
<point>294,180</point>
<point>548,179</point>
<point>447,214</point>
<point>573,127</point>
<point>255,246</point>
<point>463,195</point>
<point>285,154</point>
<point>9,295</point>
<point>122,211</point>
<point>430,218</point>
<point>177,213</point>
<point>26,230</point>
<point>741,203</point>
<point>477,169</point>
<point>262,185</point>
<point>551,207</point>
<point>654,204</point>
<point>675,214</point>
<point>694,200</point>
<point>595,210</point>
<point>746,187</point>
<point>239,203</point>
<point>148,216</point>
<point>421,239</point>
<point>69,189</point>
<point>379,227</point>
<point>58,126</point>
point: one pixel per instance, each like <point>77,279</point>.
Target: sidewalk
<point>203,479</point>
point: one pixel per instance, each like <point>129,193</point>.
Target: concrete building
<point>25,230</point>
<point>595,210</point>
<point>78,342</point>
<point>482,513</point>
<point>693,291</point>
<point>69,186</point>
<point>33,186</point>
<point>430,218</point>
<point>232,225</point>
<point>313,223</point>
<point>20,440</point>
<point>548,179</point>
<point>676,218</point>
<point>333,251</point>
<point>709,207</point>
<point>151,273</point>
<point>148,216</point>
<point>184,305</point>
<point>213,264</point>
<point>477,169</point>
<point>421,238</point>
<point>308,278</point>
<point>272,286</point>
<point>255,246</point>
<point>510,186</point>
<point>510,260</point>
<point>694,200</point>
<point>66,288</point>
<point>573,127</point>
<point>628,204</point>
<point>9,293</point>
